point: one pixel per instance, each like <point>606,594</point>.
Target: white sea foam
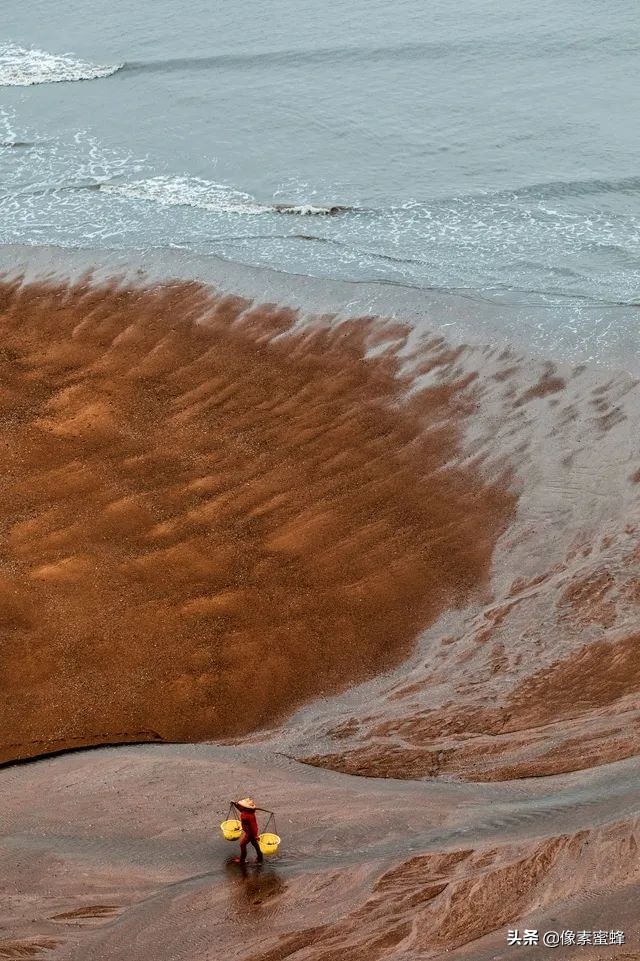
<point>8,135</point>
<point>22,67</point>
<point>207,195</point>
<point>188,192</point>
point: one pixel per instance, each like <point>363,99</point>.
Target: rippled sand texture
<point>209,516</point>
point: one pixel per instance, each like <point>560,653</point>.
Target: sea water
<point>485,149</point>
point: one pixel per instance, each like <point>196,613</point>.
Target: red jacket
<point>249,823</point>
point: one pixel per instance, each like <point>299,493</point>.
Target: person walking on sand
<point>246,808</point>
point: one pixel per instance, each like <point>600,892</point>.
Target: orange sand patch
<point>205,523</point>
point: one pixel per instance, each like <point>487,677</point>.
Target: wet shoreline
<point>125,836</point>
<point>502,319</point>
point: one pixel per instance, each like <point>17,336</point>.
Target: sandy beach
<point>381,571</point>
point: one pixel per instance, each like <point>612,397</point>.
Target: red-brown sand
<point>209,517</point>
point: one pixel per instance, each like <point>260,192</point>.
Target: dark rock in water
<point>308,210</point>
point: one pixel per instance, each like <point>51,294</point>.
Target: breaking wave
<point>24,67</point>
<point>207,195</point>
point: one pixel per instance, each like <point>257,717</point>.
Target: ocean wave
<point>552,189</point>
<point>208,195</point>
<point>362,53</point>
<point>289,57</point>
<point>24,67</point>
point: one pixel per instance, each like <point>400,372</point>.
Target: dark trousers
<point>244,840</point>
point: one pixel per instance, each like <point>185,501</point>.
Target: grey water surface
<point>487,148</point>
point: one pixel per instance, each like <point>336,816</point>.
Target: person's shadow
<point>257,884</point>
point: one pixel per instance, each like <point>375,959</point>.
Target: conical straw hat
<point>247,802</point>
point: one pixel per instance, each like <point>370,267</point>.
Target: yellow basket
<point>231,829</point>
<point>269,843</point>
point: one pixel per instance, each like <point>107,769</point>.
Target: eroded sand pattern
<point>429,558</point>
<point>122,860</point>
